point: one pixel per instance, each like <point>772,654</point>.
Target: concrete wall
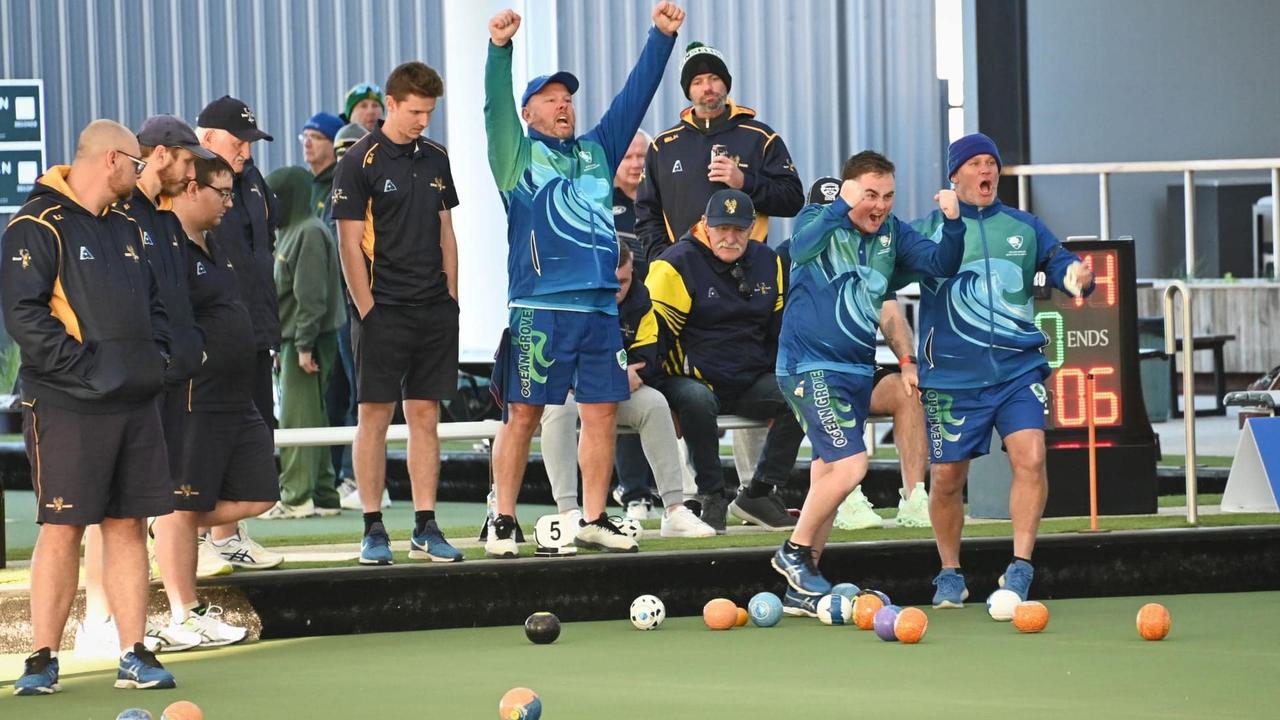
<point>1147,80</point>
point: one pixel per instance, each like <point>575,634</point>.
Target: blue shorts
<point>959,422</point>
<point>832,408</point>
<point>544,353</point>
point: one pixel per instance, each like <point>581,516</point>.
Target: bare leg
<point>595,454</point>
<point>424,451</point>
<point>125,553</point>
<point>96,609</point>
<point>511,453</point>
<point>176,554</point>
<point>55,573</point>
<point>829,485</point>
<point>890,398</point>
<point>946,509</point>
<point>369,452</point>
<point>1030,488</point>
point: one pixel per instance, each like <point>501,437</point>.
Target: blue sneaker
<point>375,548</point>
<point>800,604</point>
<point>431,545</point>
<point>139,670</point>
<point>798,568</point>
<point>39,675</point>
<point>1017,577</point>
<point>951,592</point>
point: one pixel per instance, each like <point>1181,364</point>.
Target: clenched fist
<point>948,203</point>
<point>851,192</point>
<point>668,17</point>
<point>1077,278</point>
<point>503,26</point>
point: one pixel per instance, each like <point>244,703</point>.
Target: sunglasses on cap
<point>364,89</point>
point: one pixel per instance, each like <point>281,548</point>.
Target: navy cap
<point>968,146</point>
<point>324,123</point>
<point>824,190</point>
<point>171,131</point>
<point>535,85</point>
<point>232,115</point>
<point>730,207</point>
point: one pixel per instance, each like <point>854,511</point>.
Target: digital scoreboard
<point>1097,336</point>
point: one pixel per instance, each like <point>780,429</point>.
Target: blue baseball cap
<point>535,85</point>
<point>730,207</point>
<point>325,123</point>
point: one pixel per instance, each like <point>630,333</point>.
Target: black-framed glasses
<point>138,163</point>
<point>226,193</point>
<point>739,273</point>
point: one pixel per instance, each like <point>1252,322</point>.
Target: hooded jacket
<point>164,245</point>
<point>674,190</point>
<point>82,304</point>
<point>711,329</point>
<point>306,270</point>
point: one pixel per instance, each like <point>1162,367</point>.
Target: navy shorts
<point>86,467</point>
<point>226,456</point>
<point>959,421</point>
<point>545,353</point>
<point>832,408</point>
<point>406,352</point>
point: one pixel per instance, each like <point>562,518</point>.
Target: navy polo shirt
<point>398,191</point>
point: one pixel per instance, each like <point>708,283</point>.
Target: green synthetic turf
<point>1219,661</point>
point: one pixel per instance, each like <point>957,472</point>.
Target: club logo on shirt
<point>1015,242</point>
<point>677,167</point>
<point>1038,390</point>
<point>24,257</point>
<point>884,241</point>
<point>186,491</point>
<point>146,239</point>
<point>85,254</point>
<point>622,359</point>
<point>799,391</point>
<point>58,505</point>
<point>200,268</point>
<point>711,293</point>
<point>438,184</point>
<point>789,166</point>
<point>339,195</point>
<point>388,186</point>
<point>619,210</point>
<point>130,253</point>
<point>584,155</point>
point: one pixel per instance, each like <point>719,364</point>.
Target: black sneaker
<point>502,542</point>
<point>714,506</point>
<point>767,511</point>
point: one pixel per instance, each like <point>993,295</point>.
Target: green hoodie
<point>307,273</point>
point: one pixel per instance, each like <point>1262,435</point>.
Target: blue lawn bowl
<point>765,609</point>
<point>135,714</point>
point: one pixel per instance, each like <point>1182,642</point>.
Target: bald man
<point>82,304</point>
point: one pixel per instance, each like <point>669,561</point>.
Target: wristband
<point>908,360</point>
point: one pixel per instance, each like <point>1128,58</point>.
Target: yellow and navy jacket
<point>674,191</point>
<point>247,234</point>
<point>398,191</point>
<point>164,245</point>
<point>718,321</point>
<point>81,302</point>
<point>639,325</point>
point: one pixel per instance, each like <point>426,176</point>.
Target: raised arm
<point>920,254</point>
<point>508,146</point>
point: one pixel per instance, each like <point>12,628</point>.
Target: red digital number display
<point>1083,339</point>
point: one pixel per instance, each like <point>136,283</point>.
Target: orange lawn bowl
<point>1030,616</point>
<point>1153,621</point>
<point>865,609</point>
<point>182,710</point>
<point>720,614</point>
<point>911,625</point>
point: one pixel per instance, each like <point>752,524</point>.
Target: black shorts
<point>407,352</point>
<point>86,467</point>
<point>226,456</point>
<point>881,373</point>
<point>173,418</point>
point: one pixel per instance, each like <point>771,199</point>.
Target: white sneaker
<point>171,638</point>
<point>281,511</point>
<point>681,522</point>
<point>638,510</point>
<point>914,511</point>
<point>209,562</point>
<point>97,640</point>
<point>351,496</point>
<point>601,534</point>
<point>502,547</point>
<point>328,511</point>
<point>856,513</point>
<point>212,630</point>
<point>241,551</point>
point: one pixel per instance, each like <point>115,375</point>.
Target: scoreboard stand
<point>1097,335</point>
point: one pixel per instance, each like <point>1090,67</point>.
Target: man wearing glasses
<point>170,149</point>
<point>247,234</point>
<point>317,138</point>
<point>718,297</point>
<point>81,302</point>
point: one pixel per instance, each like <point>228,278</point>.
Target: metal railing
<point>1188,168</point>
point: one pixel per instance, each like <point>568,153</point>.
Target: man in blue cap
<point>317,138</point>
<point>561,267</point>
<point>981,365</point>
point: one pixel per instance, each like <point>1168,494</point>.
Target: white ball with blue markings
<point>647,612</point>
<point>835,610</point>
